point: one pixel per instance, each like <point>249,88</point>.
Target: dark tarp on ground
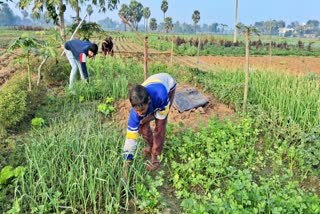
<point>188,98</point>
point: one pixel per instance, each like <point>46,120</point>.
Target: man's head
<point>139,99</point>
<point>92,50</point>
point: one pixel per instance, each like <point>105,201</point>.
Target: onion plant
<point>75,165</point>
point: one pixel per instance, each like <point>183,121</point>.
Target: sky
<point>220,11</point>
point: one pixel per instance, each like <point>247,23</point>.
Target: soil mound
<point>189,118</point>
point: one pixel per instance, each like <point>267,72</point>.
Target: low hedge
<point>13,102</point>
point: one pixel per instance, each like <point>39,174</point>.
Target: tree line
<point>52,13</point>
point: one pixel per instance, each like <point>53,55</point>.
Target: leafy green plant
<point>223,168</point>
<point>107,108</point>
<point>9,172</point>
<point>28,45</point>
<point>148,197</point>
<point>37,122</point>
<point>9,178</point>
<point>87,29</point>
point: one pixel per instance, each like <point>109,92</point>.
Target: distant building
<point>309,35</point>
<point>283,31</point>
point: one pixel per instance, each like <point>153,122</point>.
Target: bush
<point>56,71</point>
<point>13,102</point>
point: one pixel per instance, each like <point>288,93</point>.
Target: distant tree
<point>275,26</point>
<point>124,12</point>
<point>164,8</point>
<point>205,28</point>
<point>75,5</point>
<point>168,24</point>
<point>261,27</point>
<point>187,28</point>
<point>108,23</point>
<point>264,26</point>
<point>293,24</point>
<point>195,18</point>
<point>153,24</point>
<point>213,27</point>
<point>89,11</point>
<point>146,14</point>
<point>223,26</point>
<point>312,26</point>
<point>7,16</point>
<point>135,13</point>
<point>313,23</point>
<point>177,27</point>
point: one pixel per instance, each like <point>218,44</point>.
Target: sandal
<point>153,165</point>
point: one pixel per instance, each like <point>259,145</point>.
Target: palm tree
<point>146,14</point>
<point>135,13</point>
<point>89,11</point>
<point>124,12</point>
<point>75,5</point>
<point>153,24</point>
<point>195,18</point>
<point>164,8</point>
<point>235,24</point>
<point>168,24</point>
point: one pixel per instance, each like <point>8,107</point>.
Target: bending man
<point>77,52</point>
<point>150,101</point>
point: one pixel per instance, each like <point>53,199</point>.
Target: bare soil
<point>290,64</point>
<point>189,118</point>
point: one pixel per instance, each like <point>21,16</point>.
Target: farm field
<point>291,64</point>
<point>64,153</point>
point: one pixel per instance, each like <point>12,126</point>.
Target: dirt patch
<point>291,64</point>
<point>188,118</point>
<point>7,68</point>
<point>312,183</point>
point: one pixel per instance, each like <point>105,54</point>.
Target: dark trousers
<point>155,139</point>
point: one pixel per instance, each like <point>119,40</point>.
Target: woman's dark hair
<point>93,48</point>
<point>138,96</point>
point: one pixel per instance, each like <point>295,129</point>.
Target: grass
<point>294,97</point>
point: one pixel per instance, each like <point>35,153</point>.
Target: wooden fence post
<point>270,44</point>
<point>199,43</point>
<point>246,80</point>
<point>145,63</point>
<point>171,50</point>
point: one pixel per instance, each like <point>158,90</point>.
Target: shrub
<point>13,101</point>
<point>56,71</point>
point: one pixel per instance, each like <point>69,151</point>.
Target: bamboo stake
<point>246,81</point>
<point>171,51</point>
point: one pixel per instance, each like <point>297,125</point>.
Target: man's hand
<point>147,119</point>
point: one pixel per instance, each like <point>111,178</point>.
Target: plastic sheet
<point>188,98</point>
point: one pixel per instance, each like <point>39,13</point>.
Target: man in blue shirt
<point>150,101</point>
<point>77,52</point>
